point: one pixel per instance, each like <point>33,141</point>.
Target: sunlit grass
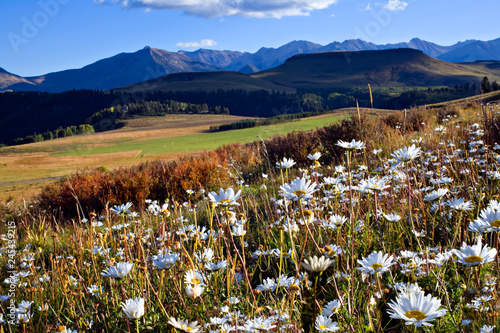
<point>303,247</point>
<point>200,141</point>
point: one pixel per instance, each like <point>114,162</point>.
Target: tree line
<point>58,133</point>
<point>114,117</point>
<point>248,123</point>
<point>22,114</point>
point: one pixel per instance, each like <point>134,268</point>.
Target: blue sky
<point>42,36</point>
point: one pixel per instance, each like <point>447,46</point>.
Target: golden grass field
<point>25,169</point>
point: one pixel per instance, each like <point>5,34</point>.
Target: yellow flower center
<point>61,328</point>
<point>473,259</point>
<point>416,314</point>
<point>323,327</point>
<point>294,287</point>
<point>495,224</point>
<point>196,281</point>
<point>376,266</point>
<point>299,193</point>
<point>188,329</point>
<point>225,201</point>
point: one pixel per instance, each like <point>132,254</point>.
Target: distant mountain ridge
<point>149,63</point>
<point>474,51</point>
<point>119,70</point>
<point>266,58</point>
<point>8,80</point>
<point>380,68</point>
<point>332,70</point>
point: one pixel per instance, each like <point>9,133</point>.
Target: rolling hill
<point>208,81</point>
<point>385,68</point>
<point>381,68</point>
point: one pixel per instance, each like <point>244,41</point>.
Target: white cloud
<point>368,7</point>
<point>219,8</point>
<point>203,43</point>
<point>395,5</point>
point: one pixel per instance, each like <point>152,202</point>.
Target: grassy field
<point>27,168</point>
<point>195,142</point>
<point>495,95</point>
<point>397,233</point>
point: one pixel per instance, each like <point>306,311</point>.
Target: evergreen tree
<point>485,86</point>
<point>495,86</point>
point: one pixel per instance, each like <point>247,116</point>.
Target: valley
<point>27,168</point>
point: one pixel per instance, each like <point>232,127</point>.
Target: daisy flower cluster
<point>400,239</point>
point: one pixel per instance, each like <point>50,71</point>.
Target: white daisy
<point>459,204</point>
<point>392,217</point>
<point>416,308</point>
<point>267,285</point>
<point>285,163</point>
<point>376,262</point>
<point>314,157</point>
<point>353,145</point>
<point>479,226</point>
<point>299,188</point>
<point>209,266</point>
<point>436,194</point>
<point>491,216</point>
<point>263,324</point>
<point>315,264</point>
<point>331,308</point>
<point>119,270</point>
<point>165,260</point>
<point>487,329</point>
<point>194,290</point>
<point>194,277</point>
<point>185,325</point>
<point>406,154</point>
<point>325,324</point>
<point>225,197</point>
<point>475,255</point>
<point>133,308</point>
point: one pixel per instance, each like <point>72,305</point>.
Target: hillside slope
<point>477,50</point>
<point>209,81</point>
<point>119,70</point>
<point>386,68</point>
<point>8,79</point>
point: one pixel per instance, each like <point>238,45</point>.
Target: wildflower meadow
<point>375,232</point>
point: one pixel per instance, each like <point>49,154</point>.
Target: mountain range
<point>335,69</point>
<point>150,63</point>
<point>266,58</point>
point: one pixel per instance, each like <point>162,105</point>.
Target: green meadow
<point>197,142</point>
